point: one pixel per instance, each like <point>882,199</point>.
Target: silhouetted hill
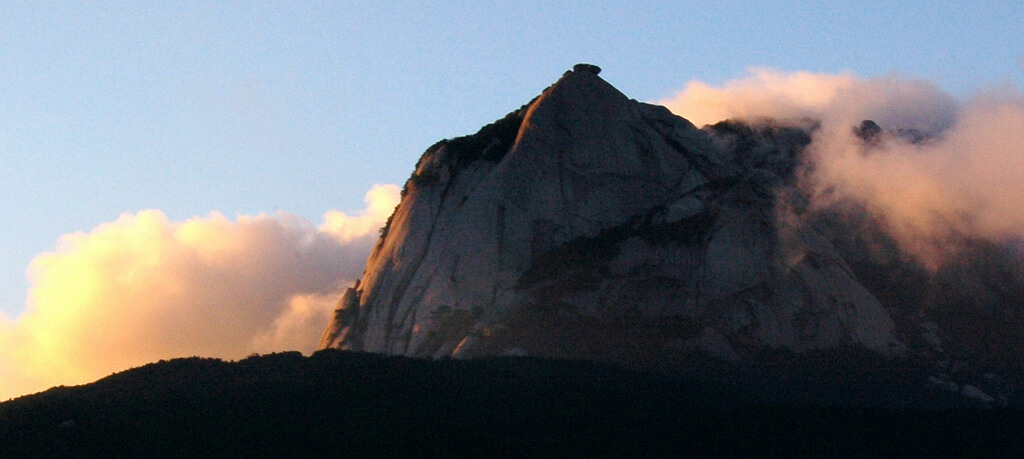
<point>356,404</point>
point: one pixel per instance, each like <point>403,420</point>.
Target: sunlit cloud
<point>380,203</point>
<point>144,288</point>
<point>963,179</point>
<point>891,101</point>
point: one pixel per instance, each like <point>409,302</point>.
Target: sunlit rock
<point>589,225</point>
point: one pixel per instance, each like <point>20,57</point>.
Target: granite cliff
<point>589,225</point>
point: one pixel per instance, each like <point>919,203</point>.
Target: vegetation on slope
<point>352,404</point>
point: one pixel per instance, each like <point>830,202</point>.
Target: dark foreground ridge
<point>357,404</point>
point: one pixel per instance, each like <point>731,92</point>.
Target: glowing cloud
<point>767,93</point>
<point>964,178</point>
<point>143,288</point>
<point>380,204</point>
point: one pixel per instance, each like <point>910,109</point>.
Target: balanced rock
<point>586,68</point>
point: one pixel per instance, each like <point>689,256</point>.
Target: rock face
<point>589,225</point>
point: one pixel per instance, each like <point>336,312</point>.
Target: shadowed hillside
<point>355,404</point>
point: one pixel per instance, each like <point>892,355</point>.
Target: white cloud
<point>891,101</point>
<point>380,203</point>
<point>143,288</point>
<point>964,180</point>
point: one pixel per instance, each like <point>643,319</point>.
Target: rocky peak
<point>589,225</point>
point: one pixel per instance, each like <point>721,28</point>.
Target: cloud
<point>891,101</point>
<point>380,204</point>
<point>962,180</point>
<point>143,288</point>
<point>765,93</point>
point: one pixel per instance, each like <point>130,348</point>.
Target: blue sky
<point>189,108</point>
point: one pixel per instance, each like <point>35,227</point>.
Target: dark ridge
<point>490,143</point>
<point>731,127</point>
<point>768,145</point>
<point>337,403</point>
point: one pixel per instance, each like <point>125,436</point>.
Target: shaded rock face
<point>589,225</point>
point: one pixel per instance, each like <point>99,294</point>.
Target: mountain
<point>594,276</point>
<point>588,225</point>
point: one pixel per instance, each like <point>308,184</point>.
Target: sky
<point>213,173</point>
